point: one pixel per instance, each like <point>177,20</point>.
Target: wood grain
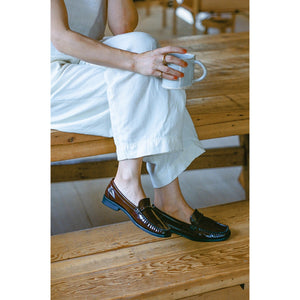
<point>238,292</point>
<point>116,236</point>
<point>121,261</point>
<point>212,158</point>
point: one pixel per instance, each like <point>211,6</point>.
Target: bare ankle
<point>174,206</point>
<point>131,189</point>
<point>128,180</point>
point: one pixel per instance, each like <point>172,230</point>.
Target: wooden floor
<point>121,261</point>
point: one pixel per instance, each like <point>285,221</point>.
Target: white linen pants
<point>144,119</point>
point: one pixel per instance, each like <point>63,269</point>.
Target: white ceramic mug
<point>188,71</point>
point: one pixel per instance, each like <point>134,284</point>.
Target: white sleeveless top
<point>87,17</point>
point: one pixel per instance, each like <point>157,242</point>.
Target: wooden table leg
<point>195,13</point>
<point>244,176</point>
<point>175,6</point>
<point>164,4</point>
<point>148,7</point>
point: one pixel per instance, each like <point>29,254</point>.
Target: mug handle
<point>204,71</point>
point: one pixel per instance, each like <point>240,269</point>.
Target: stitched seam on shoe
<point>199,228</point>
<point>137,210</point>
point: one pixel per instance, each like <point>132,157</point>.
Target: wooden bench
<point>120,261</point>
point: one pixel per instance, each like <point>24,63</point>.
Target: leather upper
<point>201,228</point>
<point>143,214</point>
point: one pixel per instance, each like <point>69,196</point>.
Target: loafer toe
<point>201,228</point>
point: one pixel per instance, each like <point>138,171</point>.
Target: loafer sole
<point>228,233</point>
<point>111,204</point>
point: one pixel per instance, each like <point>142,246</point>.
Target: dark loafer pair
<point>142,215</point>
<point>201,229</point>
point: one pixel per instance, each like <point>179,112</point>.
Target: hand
<point>154,63</point>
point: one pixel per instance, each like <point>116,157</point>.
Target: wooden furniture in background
<point>220,23</point>
<point>210,6</point>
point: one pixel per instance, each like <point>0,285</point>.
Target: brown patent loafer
<point>143,215</point>
<point>202,229</point>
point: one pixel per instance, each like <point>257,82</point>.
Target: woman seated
<point>111,86</point>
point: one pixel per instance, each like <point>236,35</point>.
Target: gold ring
<point>160,76</point>
<point>164,59</point>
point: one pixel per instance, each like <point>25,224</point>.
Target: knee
<point>138,42</point>
<point>141,42</point>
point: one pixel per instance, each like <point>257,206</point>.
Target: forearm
<point>122,16</point>
<point>87,49</point>
<point>92,51</point>
<point>146,63</point>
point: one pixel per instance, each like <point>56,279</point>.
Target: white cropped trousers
<point>144,119</point>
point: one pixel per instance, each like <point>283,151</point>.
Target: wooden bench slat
<point>90,148</point>
<point>65,138</point>
<point>161,276</point>
<point>135,254</point>
<point>222,130</point>
<point>238,292</point>
<point>206,43</point>
<point>113,265</point>
<point>122,235</point>
<point>226,116</point>
<point>212,158</point>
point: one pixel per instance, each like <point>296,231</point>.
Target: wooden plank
<point>77,150</point>
<point>196,6</point>
<point>224,129</point>
<point>210,105</point>
<point>223,5</point>
<point>212,158</point>
<point>177,274</point>
<point>219,157</point>
<point>166,268</point>
<point>222,119</point>
<point>238,292</point>
<point>122,235</point>
<point>208,43</point>
<point>63,138</point>
<point>135,254</point>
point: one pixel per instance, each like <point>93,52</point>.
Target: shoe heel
<point>109,203</point>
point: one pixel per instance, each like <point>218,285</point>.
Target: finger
<point>171,72</point>
<point>171,49</point>
<point>158,74</point>
<point>169,77</point>
<point>171,59</point>
<point>161,75</point>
